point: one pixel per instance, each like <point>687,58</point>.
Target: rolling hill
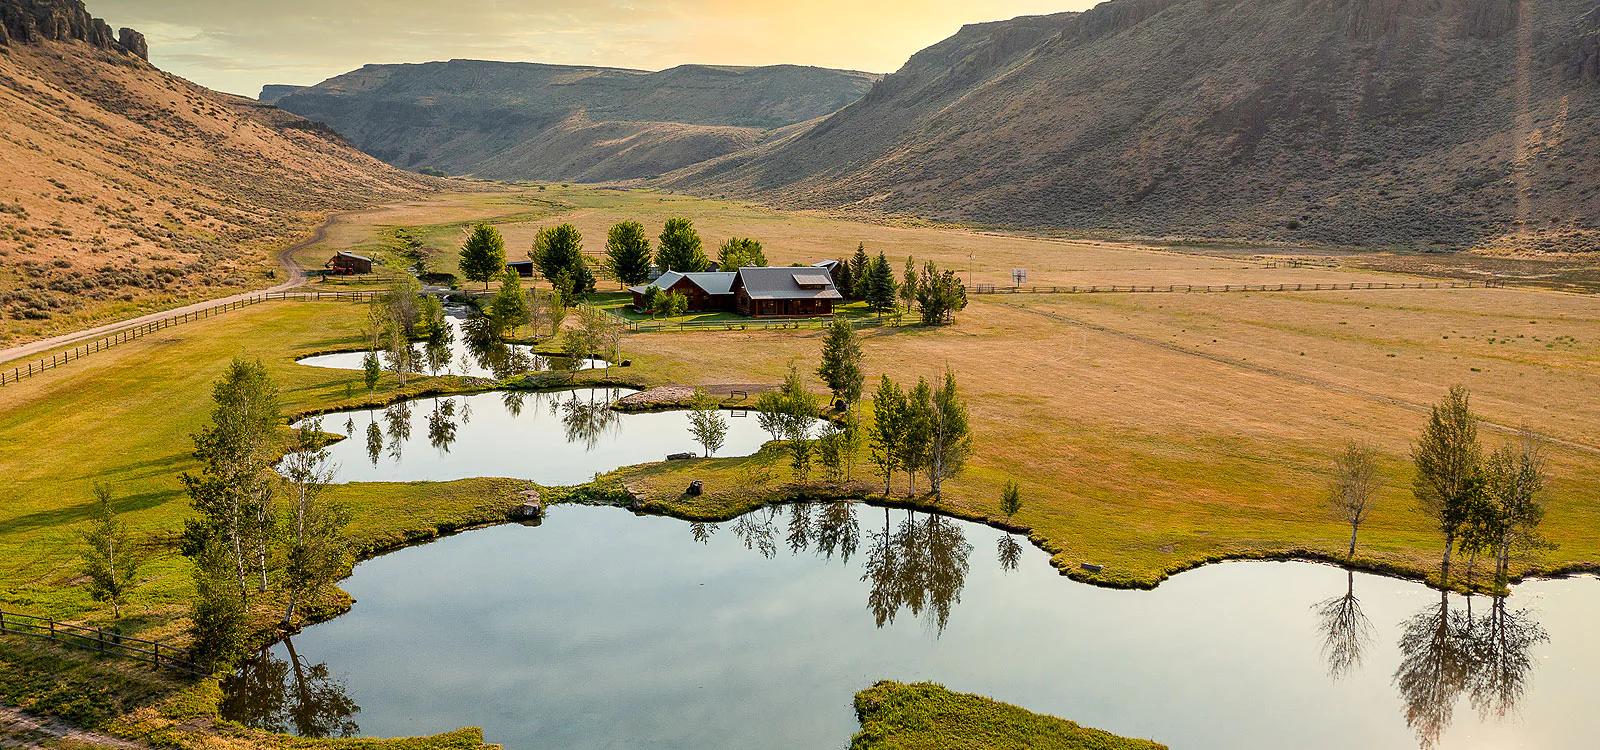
<point>1471,123</point>
<point>503,120</point>
<point>128,189</point>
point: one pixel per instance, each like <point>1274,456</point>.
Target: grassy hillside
<point>532,121</point>
<point>1432,125</point>
<point>128,189</point>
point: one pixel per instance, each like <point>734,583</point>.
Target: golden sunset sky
<point>238,45</point>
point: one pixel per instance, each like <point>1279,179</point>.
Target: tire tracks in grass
<point>1281,374</point>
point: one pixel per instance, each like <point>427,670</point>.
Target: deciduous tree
<point>740,252</point>
<point>111,556</point>
<point>888,429</point>
<point>558,254</point>
<point>483,255</point>
<point>680,248</point>
<point>1449,464</point>
<point>628,253</point>
<point>949,435</point>
<point>1355,487</point>
<point>318,552</point>
<point>706,423</point>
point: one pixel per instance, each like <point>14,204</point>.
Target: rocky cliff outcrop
<point>29,21</point>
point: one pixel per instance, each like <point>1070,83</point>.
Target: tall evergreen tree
<point>842,280</point>
<point>908,283</point>
<point>860,265</point>
<point>680,249</point>
<point>484,255</point>
<point>841,361</point>
<point>509,308</point>
<point>1449,464</point>
<point>558,254</point>
<point>628,253</point>
<point>740,252</point>
<point>881,287</point>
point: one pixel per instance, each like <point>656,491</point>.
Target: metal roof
<point>711,282</point>
<point>353,255</point>
<point>785,283</point>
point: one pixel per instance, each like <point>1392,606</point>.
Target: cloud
<point>238,45</point>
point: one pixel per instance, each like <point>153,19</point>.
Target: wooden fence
<point>1196,289</point>
<point>752,324</point>
<point>145,329</point>
<point>102,641</point>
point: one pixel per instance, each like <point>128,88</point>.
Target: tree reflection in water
<point>1446,653</point>
<point>1345,630</point>
<point>1009,553</point>
<point>589,419</point>
<point>398,419</point>
<point>289,697</point>
<point>920,566</point>
<point>757,530</point>
<point>490,353</point>
<point>374,439</point>
<point>442,425</point>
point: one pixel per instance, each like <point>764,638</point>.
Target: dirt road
<point>296,276</point>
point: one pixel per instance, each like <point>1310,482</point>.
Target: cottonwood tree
<point>1354,488</point>
<point>706,423</point>
<point>401,356</point>
<point>234,492</point>
<point>675,304</point>
<point>602,329</point>
<point>740,252</point>
<point>1513,489</point>
<point>111,556</point>
<point>628,253</point>
<point>788,414</point>
<point>916,432</point>
<point>949,435</point>
<point>483,255</point>
<point>680,248</point>
<point>1449,466</point>
<point>318,552</point>
<point>841,362</point>
<point>939,296</point>
<point>888,429</point>
<point>558,254</point>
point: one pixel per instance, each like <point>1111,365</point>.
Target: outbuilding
<point>343,263</point>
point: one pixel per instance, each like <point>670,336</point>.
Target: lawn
<point>926,716</point>
<point>621,305</point>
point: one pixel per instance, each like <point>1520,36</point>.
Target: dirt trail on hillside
<point>296,276</point>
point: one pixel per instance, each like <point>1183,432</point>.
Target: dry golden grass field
<point>1150,432</point>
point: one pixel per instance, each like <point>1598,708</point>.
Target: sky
<point>239,45</point>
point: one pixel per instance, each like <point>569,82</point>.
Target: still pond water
<point>468,349</point>
<point>553,438</point>
<point>602,629</point>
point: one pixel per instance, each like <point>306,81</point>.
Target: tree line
<point>935,295</point>
<point>1484,505</point>
<point>257,531</point>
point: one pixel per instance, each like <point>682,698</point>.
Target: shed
<point>348,263</point>
<point>524,268</point>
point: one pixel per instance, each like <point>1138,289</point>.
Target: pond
<point>468,350</point>
<point>553,438</point>
<point>602,629</point>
